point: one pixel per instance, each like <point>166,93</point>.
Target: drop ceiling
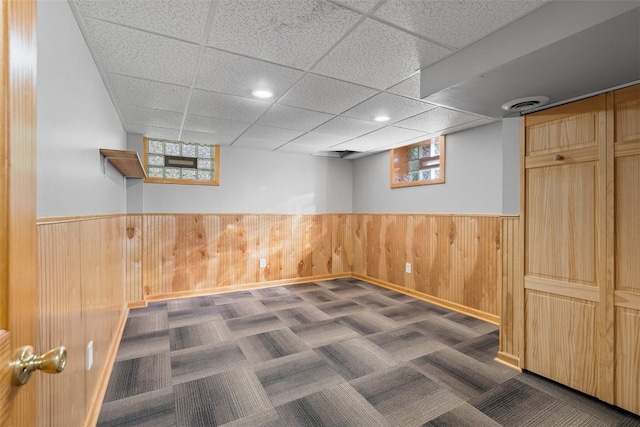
<point>185,70</point>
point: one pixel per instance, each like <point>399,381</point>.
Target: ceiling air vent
<point>344,154</point>
<point>525,104</point>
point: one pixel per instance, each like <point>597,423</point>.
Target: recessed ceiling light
<point>262,94</point>
<point>381,118</point>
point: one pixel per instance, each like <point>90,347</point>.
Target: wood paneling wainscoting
<point>91,268</point>
<point>455,258</point>
<point>81,272</point>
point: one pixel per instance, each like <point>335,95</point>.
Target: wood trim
<point>244,287</point>
<point>94,404</point>
<point>5,377</point>
<point>508,360</point>
<point>555,287</point>
<point>606,253</point>
<point>61,219</point>
<point>627,148</point>
<point>627,300</point>
<point>511,285</point>
<point>487,317</point>
<point>179,182</point>
<point>519,304</point>
<point>571,109</point>
<point>578,155</point>
<point>137,304</point>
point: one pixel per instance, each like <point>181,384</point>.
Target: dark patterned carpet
<point>334,353</point>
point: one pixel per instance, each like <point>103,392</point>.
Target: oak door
<point>564,210</point>
<point>18,302</point>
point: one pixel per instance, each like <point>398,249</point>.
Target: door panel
<point>17,202</point>
<point>560,341</point>
<point>562,232</point>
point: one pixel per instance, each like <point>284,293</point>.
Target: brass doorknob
<point>52,362</point>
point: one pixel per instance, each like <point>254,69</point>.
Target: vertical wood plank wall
<point>90,268</point>
<point>456,258</point>
<point>512,292</point>
<point>81,272</point>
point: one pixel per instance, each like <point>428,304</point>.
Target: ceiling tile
<point>206,138</point>
<point>379,56</point>
<point>139,54</point>
<point>257,143</point>
<point>379,138</point>
<point>345,126</point>
<point>214,126</point>
<point>393,106</point>
<point>293,118</point>
<point>290,32</point>
<point>237,75</point>
<point>436,120</point>
<point>409,87</point>
<point>272,134</point>
<point>146,93</point>
<point>150,117</point>
<point>325,94</point>
<point>319,139</point>
<point>458,23</point>
<point>153,132</point>
<point>299,149</point>
<point>210,104</point>
<point>175,18</point>
<point>362,5</point>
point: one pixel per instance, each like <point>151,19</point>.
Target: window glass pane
<point>205,164</point>
<point>156,172</point>
<point>435,149</point>
<point>435,173</point>
<point>425,151</point>
<point>172,173</point>
<point>156,147</point>
<point>413,153</point>
<point>172,148</point>
<point>414,165</point>
<point>155,160</point>
<point>189,173</point>
<point>204,151</point>
<point>204,175</point>
<point>425,174</point>
<point>188,150</point>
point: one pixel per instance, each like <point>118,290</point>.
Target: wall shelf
<point>126,162</point>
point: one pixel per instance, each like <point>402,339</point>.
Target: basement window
<point>178,162</point>
<point>418,164</point>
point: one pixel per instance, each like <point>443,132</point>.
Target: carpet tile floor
<point>332,353</point>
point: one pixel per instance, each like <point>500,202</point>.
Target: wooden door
<point>624,131</point>
<point>18,302</point>
<point>564,213</point>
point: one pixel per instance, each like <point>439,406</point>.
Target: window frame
<point>216,166</point>
<point>399,163</point>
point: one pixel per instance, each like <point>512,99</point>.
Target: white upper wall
<point>254,181</point>
<point>473,182</point>
<point>75,118</point>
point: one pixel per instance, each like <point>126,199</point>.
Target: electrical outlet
<point>263,262</point>
<point>89,355</point>
<point>407,267</point>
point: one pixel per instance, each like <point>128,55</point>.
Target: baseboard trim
<point>508,360</point>
<point>248,286</point>
<point>95,403</point>
<point>478,314</point>
<point>137,304</point>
